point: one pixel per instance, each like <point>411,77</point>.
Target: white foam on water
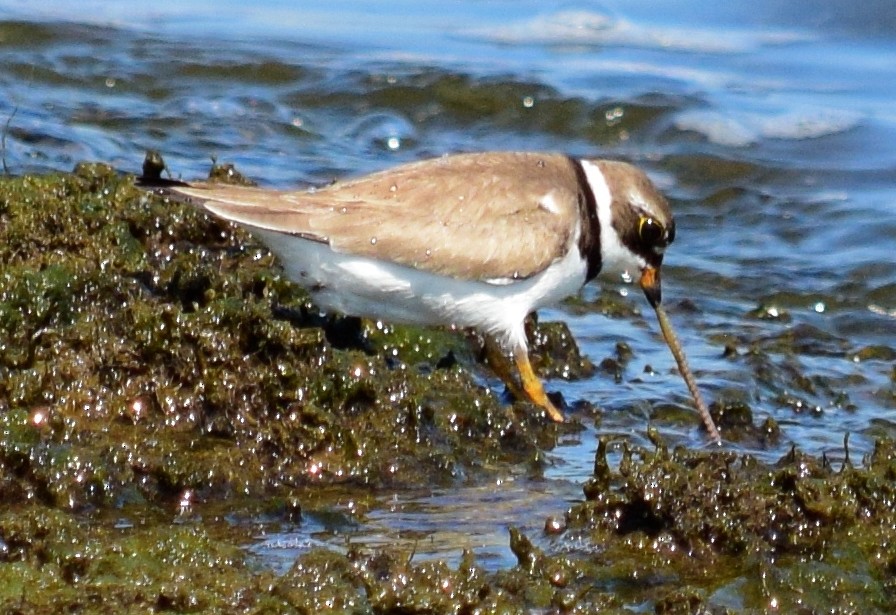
<point>744,129</point>
<point>584,27</point>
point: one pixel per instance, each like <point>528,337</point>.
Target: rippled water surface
<point>771,128</point>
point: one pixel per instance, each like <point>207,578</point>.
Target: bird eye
<point>651,232</point>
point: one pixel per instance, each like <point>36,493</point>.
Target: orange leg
<point>531,388</point>
<point>532,385</point>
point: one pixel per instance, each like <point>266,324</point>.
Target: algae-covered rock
<point>165,393</point>
<point>715,520</point>
<point>166,350</point>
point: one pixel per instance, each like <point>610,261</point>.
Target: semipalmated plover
<point>470,240</point>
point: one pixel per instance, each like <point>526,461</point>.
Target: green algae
<point>554,351</point>
<point>55,563</point>
<point>797,535</point>
<point>134,321</point>
<point>159,379</point>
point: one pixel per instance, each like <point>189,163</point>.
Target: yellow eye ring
<point>650,231</point>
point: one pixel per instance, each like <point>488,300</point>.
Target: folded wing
<point>448,215</point>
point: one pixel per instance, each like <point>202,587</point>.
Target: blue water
<point>770,126</point>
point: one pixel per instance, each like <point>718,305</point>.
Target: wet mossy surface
<point>161,383</point>
<point>800,536</point>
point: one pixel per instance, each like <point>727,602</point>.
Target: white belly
<point>361,286</point>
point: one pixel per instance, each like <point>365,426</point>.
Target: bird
<point>470,240</point>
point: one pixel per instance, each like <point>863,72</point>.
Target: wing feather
<point>453,216</point>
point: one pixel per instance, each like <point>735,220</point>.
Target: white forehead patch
<point>637,200</point>
<point>616,257</point>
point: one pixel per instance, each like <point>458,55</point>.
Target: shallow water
<point>771,129</point>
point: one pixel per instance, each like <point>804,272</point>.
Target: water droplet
<point>39,417</point>
<point>528,102</point>
<point>110,82</point>
<point>614,115</point>
<point>393,143</point>
<point>626,277</point>
<point>820,307</point>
